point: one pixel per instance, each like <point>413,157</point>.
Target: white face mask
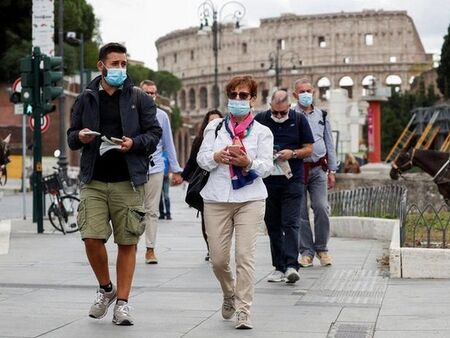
<point>281,119</point>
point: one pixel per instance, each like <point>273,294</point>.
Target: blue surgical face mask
<point>239,108</point>
<point>115,76</point>
<point>305,99</point>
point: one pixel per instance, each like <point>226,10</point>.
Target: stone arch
<point>394,81</point>
<point>346,82</point>
<point>203,97</point>
<point>366,82</point>
<point>263,92</point>
<point>192,99</point>
<point>183,99</point>
<point>324,85</point>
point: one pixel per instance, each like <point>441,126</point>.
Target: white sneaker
<point>292,275</point>
<point>276,276</point>
<point>122,314</point>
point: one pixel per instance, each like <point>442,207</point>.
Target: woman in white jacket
<point>237,156</point>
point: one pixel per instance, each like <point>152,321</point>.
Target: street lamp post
<point>276,62</point>
<point>62,159</point>
<point>208,11</point>
<point>71,37</point>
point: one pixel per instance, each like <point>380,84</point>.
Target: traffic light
<point>26,76</point>
<point>50,77</point>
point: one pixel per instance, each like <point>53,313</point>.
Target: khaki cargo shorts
<point>111,207</point>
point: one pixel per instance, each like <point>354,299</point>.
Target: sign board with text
<point>43,26</point>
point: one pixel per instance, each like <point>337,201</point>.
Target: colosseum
<point>340,52</point>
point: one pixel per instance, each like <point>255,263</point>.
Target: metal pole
<point>277,65</point>
<point>215,31</point>
<point>37,143</point>
<point>24,155</point>
<point>81,62</point>
<point>62,160</point>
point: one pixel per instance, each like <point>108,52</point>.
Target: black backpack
<point>197,182</point>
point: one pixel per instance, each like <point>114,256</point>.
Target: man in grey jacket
<point>320,169</point>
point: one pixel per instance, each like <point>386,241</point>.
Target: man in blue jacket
<point>152,189</point>
<point>320,169</point>
<point>112,189</point>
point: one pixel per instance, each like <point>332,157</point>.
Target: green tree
<point>176,120</point>
<point>79,17</point>
<point>15,35</point>
<point>396,112</point>
<point>443,80</point>
<point>139,73</point>
<point>168,84</point>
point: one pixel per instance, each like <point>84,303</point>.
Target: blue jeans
<point>282,220</point>
<point>165,200</point>
<point>317,187</point>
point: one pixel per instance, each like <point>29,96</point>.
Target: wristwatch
<point>294,153</point>
<point>248,168</point>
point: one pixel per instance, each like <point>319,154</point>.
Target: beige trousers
<point>221,220</point>
<point>152,195</point>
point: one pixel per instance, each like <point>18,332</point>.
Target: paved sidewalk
<point>46,288</point>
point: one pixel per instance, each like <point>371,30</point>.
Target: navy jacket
<point>141,126</point>
<point>291,134</point>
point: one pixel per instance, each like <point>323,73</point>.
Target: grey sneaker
<point>243,321</point>
<point>276,276</point>
<point>292,275</point>
<point>102,302</point>
<point>228,308</point>
<point>122,314</point>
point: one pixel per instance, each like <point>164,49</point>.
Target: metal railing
<point>425,227</point>
<point>388,201</point>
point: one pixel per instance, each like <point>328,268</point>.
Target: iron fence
<point>388,201</point>
<point>425,227</point>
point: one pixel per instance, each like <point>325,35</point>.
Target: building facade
<point>337,50</point>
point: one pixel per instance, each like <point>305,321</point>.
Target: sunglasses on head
<point>280,113</point>
<point>242,95</point>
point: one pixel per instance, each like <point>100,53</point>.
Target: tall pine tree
<point>443,80</point>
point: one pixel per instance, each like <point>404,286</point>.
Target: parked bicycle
<point>63,209</point>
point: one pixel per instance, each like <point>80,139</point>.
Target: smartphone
<point>234,149</point>
<point>117,140</point>
<point>91,132</point>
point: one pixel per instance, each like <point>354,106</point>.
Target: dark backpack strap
<point>219,126</point>
<point>324,116</point>
<point>136,98</point>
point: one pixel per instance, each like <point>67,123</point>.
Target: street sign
<point>17,86</point>
<point>18,109</point>
<point>16,89</point>
<point>45,123</point>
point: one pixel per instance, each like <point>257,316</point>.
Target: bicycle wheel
<point>53,216</point>
<point>64,217</point>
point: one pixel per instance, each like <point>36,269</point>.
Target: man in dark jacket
<point>113,177</point>
<point>292,142</point>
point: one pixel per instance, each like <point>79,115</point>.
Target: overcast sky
<point>139,23</point>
